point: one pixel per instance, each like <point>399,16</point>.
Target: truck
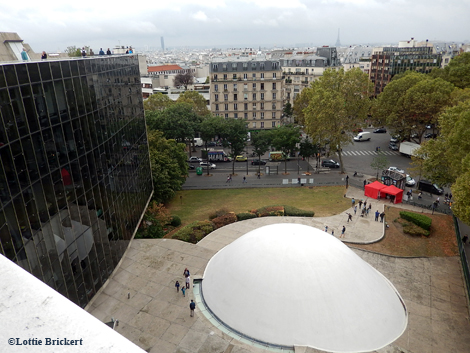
<point>218,156</point>
<point>277,156</point>
<point>408,148</point>
<point>198,142</point>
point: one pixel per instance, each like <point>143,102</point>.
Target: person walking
<point>349,217</point>
<point>244,179</point>
<point>360,203</point>
<point>192,306</point>
<point>377,214</point>
<point>347,181</point>
<point>177,285</point>
<point>183,290</point>
<point>365,182</point>
<point>355,209</point>
<point>228,179</point>
<point>187,281</point>
<point>259,175</point>
<point>369,208</point>
<point>326,229</point>
<point>333,232</point>
<point>365,204</point>
<point>353,202</point>
<point>186,273</point>
<point>343,231</point>
<point>382,215</point>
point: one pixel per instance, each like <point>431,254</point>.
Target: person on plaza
<point>420,195</point>
<point>382,215</point>
<point>108,52</point>
<point>101,51</point>
<point>187,281</point>
<point>349,217</point>
<point>177,285</point>
<point>365,182</point>
<point>353,202</point>
<point>83,52</point>
<point>360,203</point>
<point>192,306</point>
<point>377,214</point>
<point>43,55</point>
<point>343,231</point>
<point>464,239</point>
<point>183,290</point>
<point>355,209</point>
<point>244,179</point>
<point>437,200</point>
<point>332,232</point>
<point>365,204</point>
<point>228,179</point>
<point>24,55</point>
<point>91,52</point>
<point>259,175</point>
<point>369,208</point>
<point>186,273</point>
<point>326,229</point>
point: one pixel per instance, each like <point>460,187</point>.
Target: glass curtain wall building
<point>75,175</point>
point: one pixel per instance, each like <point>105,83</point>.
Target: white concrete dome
<point>291,284</point>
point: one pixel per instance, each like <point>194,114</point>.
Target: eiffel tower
<point>338,43</point>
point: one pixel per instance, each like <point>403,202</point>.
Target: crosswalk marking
<point>370,153</point>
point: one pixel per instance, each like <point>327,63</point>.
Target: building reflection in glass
<point>75,174</point>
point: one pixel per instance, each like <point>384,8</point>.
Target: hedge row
<point>419,219</point>
<point>194,232</point>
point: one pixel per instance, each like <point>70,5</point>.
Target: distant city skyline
<point>52,25</point>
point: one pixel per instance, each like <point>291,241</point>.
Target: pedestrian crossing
<point>370,153</point>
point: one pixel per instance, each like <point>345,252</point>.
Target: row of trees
<point>339,102</point>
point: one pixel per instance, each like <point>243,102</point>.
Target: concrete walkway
<point>141,293</point>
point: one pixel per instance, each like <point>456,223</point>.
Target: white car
<point>410,181</point>
<point>207,164</point>
<point>395,169</point>
<point>194,160</point>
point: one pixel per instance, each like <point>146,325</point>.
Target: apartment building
<point>389,61</point>
<point>249,88</point>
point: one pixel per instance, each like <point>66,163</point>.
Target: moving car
<point>258,162</point>
<point>393,146</point>
<point>380,130</point>
<point>329,163</point>
<point>194,160</point>
<point>395,169</point>
<point>241,159</point>
<point>410,181</point>
<point>394,139</point>
<point>191,166</point>
<point>427,186</point>
<point>362,136</point>
<point>207,164</point>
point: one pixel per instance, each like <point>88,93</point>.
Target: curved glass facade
<point>75,175</point>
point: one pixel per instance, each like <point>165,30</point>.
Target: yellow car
<point>241,158</point>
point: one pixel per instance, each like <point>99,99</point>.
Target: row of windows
<point>262,86</point>
<point>245,66</point>
<point>253,115</point>
<point>254,125</point>
<point>245,76</point>
<point>245,106</point>
<point>245,96</point>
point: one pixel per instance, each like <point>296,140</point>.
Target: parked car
<point>395,169</point>
<point>194,160</point>
<point>427,186</point>
<point>410,181</point>
<point>211,144</point>
<point>241,159</point>
<point>380,130</point>
<point>329,163</point>
<point>393,146</point>
<point>207,164</point>
<point>394,139</point>
<point>258,162</point>
<point>191,166</point>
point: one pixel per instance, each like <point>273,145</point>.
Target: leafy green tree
<point>157,102</point>
<point>288,111</point>
<point>73,51</point>
<point>457,72</point>
<point>234,134</point>
<point>337,103</point>
<point>300,104</point>
<point>285,138</point>
<point>210,128</point>
<point>168,164</point>
<point>380,162</point>
<point>260,142</point>
<point>197,101</point>
<point>308,149</point>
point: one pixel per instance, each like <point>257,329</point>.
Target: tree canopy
<point>334,105</point>
<point>197,101</point>
<point>285,138</point>
<point>457,72</point>
<point>234,134</point>
<point>157,101</point>
<point>185,80</point>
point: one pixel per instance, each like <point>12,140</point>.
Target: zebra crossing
<point>370,153</point>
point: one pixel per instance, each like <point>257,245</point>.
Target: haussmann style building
<point>75,175</point>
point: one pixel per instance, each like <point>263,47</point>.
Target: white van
<point>198,142</point>
<point>362,136</point>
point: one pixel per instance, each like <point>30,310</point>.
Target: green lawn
<point>196,205</point>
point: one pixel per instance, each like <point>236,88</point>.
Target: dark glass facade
<point>75,175</point>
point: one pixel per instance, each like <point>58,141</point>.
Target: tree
<point>210,128</point>
<point>155,218</point>
<point>300,103</point>
<point>379,162</point>
<point>285,138</point>
<point>288,111</point>
<point>157,102</point>
<point>198,102</point>
<point>337,102</point>
<point>234,133</point>
<point>308,149</point>
<point>260,142</point>
<point>73,51</point>
<point>457,72</point>
<point>168,164</point>
<point>185,80</point>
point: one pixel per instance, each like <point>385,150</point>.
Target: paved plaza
<point>141,293</point>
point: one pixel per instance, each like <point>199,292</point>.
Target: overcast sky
<point>53,25</point>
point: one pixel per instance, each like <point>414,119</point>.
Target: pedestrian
<point>108,52</point>
<point>365,182</point>
<point>326,229</point>
<point>360,203</point>
<point>192,306</point>
<point>368,210</point>
<point>298,180</point>
<point>24,55</point>
<point>186,273</point>
<point>187,281</point>
<point>347,181</point>
<point>420,195</point>
<point>43,55</point>
<point>355,209</point>
<point>365,204</point>
<point>244,179</point>
<point>259,175</point>
<point>349,217</point>
<point>228,179</point>
<point>101,51</point>
<point>382,215</point>
<point>333,232</point>
<point>83,52</point>
<point>183,290</point>
<point>91,52</point>
<point>342,231</point>
<point>177,285</point>
<point>437,200</point>
<point>353,202</point>
<point>377,214</point>
<point>450,196</point>
<point>464,239</point>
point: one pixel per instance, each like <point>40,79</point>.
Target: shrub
<point>415,230</point>
<point>418,219</point>
<point>246,215</point>
<point>152,231</point>
<point>218,213</point>
<point>296,212</point>
<point>224,220</point>
<point>194,232</point>
<point>175,221</point>
<point>270,211</point>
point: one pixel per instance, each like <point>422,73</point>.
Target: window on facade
<point>245,96</point>
<point>235,106</point>
<point>274,85</point>
<point>254,86</point>
<point>245,65</point>
<point>236,116</point>
<point>215,67</point>
<point>224,67</point>
<point>165,77</point>
<point>275,65</point>
<point>262,105</point>
<point>245,115</point>
<point>225,87</point>
<point>273,124</point>
<point>216,107</point>
<point>245,106</point>
<point>254,76</point>
<point>245,87</point>
<point>226,116</point>
<point>254,96</point>
<point>274,115</point>
<point>226,106</point>
<point>274,106</point>
<point>215,77</point>
<point>235,97</point>
<point>262,86</point>
<point>225,76</point>
<point>225,97</point>
<point>235,87</point>
<point>254,106</point>
<point>234,76</point>
<point>261,66</point>
<point>254,115</point>
<point>274,75</point>
<point>262,75</point>
<point>262,115</point>
<point>234,66</point>
<point>262,124</point>
<point>253,66</point>
<point>216,97</point>
<point>245,76</point>
<point>274,95</point>
<point>254,124</point>
<point>216,88</point>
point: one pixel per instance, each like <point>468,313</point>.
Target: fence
<point>463,258</point>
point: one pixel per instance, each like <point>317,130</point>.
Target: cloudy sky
<point>53,25</point>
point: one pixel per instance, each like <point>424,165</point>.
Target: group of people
<point>343,230</point>
<point>184,287</point>
<point>91,52</point>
